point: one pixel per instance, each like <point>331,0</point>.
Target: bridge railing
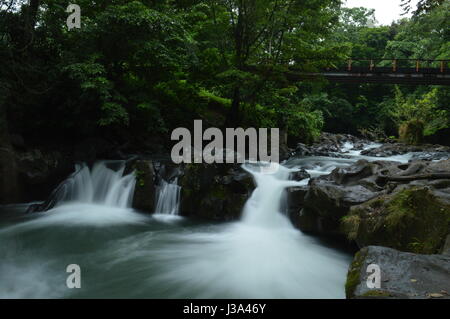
<point>396,65</point>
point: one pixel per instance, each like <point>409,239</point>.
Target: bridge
<point>390,71</point>
<point>385,71</point>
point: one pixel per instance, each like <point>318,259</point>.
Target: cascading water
<point>262,256</point>
<point>101,185</point>
<point>125,254</point>
<point>168,198</point>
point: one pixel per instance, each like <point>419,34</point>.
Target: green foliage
<point>418,117</point>
<point>141,68</point>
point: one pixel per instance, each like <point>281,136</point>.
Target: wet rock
<point>446,247</point>
<point>403,275</point>
<point>329,145</point>
<point>330,197</point>
<point>300,175</point>
<point>364,185</point>
<point>39,171</point>
<point>427,151</point>
<point>10,191</point>
<point>412,219</point>
<point>214,191</point>
<point>144,193</point>
<point>296,201</point>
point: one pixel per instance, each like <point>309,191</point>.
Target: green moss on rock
<point>354,273</point>
<point>376,293</point>
<point>411,220</point>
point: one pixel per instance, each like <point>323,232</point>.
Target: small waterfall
<point>100,185</point>
<point>265,205</point>
<point>168,198</point>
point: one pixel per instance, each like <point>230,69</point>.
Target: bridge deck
<point>401,71</point>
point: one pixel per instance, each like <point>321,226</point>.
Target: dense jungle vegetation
<point>136,70</point>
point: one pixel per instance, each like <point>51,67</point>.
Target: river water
<point>125,254</point>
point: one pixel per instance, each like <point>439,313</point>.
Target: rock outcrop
<point>402,275</point>
<point>413,220</point>
<point>330,197</point>
<point>214,191</point>
<point>428,151</point>
<point>144,191</point>
<point>403,206</point>
<point>329,145</point>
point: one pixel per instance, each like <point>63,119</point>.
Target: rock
<point>430,152</point>
<point>296,201</point>
<point>412,219</point>
<point>330,197</point>
<point>214,191</point>
<point>39,171</point>
<point>300,175</point>
<point>144,193</point>
<point>10,191</point>
<point>329,145</point>
<point>446,247</point>
<point>364,192</point>
<point>403,275</point>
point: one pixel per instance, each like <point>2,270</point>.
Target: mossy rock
<point>411,132</point>
<point>144,192</point>
<point>412,220</point>
<point>354,273</point>
<point>377,294</point>
<point>210,191</point>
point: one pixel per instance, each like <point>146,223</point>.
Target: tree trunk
<point>233,117</point>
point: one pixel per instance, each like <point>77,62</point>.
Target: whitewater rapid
<point>126,254</point>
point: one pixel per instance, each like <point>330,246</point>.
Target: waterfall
<point>100,185</point>
<point>265,205</point>
<point>168,198</point>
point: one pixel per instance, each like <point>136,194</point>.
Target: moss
<point>354,273</point>
<point>411,132</point>
<point>140,177</point>
<point>376,293</point>
<point>418,221</point>
<point>411,220</point>
<point>350,225</point>
<point>219,192</point>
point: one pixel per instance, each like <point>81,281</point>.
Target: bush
<point>411,132</point>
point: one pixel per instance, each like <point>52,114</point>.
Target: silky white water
<point>168,198</point>
<point>123,253</point>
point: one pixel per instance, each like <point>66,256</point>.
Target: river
<point>125,254</point>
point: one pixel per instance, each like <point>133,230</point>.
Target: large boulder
<point>214,191</point>
<point>367,185</point>
<point>402,275</point>
<point>330,197</point>
<point>412,219</point>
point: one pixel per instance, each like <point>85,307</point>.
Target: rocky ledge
<point>403,206</point>
<point>402,275</point>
